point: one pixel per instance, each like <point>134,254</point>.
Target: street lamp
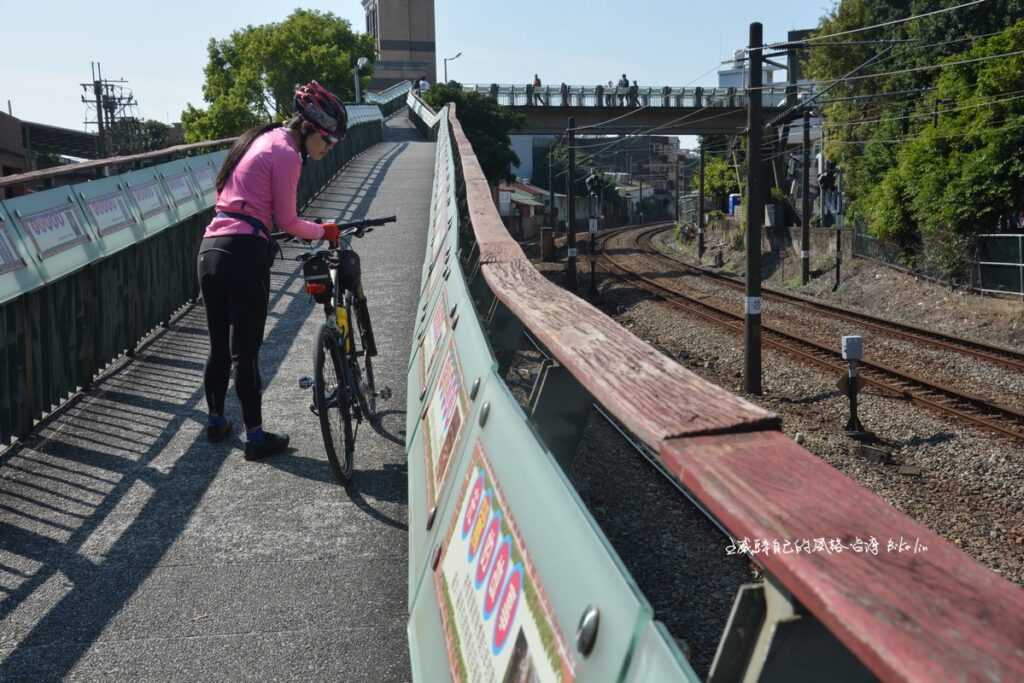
<point>446,60</point>
<point>360,65</point>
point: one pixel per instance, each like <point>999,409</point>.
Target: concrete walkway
<point>131,549</point>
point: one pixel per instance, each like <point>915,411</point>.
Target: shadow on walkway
<point>92,503</point>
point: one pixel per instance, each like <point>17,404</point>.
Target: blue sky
<point>160,46</point>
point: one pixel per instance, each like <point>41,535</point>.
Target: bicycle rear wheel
<point>331,395</point>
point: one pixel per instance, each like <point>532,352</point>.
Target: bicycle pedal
<point>312,409</point>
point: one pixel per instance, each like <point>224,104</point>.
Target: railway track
<point>1007,358</point>
<point>919,390</point>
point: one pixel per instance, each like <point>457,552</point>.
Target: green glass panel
<point>657,658</point>
<point>150,199</point>
<point>111,213</point>
<point>54,231</point>
<point>513,595</point>
<point>18,271</point>
<point>180,188</point>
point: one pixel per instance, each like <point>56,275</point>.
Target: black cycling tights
<point>234,276</point>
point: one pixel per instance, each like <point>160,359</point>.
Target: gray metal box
<point>853,347</point>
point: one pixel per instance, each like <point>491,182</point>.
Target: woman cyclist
<point>256,188</point>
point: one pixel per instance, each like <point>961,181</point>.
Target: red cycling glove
<point>330,232</point>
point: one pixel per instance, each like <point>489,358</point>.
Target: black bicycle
<point>344,391</point>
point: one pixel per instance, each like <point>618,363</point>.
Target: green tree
<point>865,151</point>
<point>486,125</point>
<point>252,74</point>
<point>960,175</point>
<point>719,180</point>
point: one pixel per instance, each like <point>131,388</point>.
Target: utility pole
<point>570,240</point>
<point>675,187</point>
<point>839,225</point>
<point>755,215</point>
<point>805,191</point>
<point>551,189</point>
<point>700,208</point>
<point>640,204</point>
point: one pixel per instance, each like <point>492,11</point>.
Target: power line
<point>930,67</point>
<point>893,22</point>
<point>833,100</point>
<point>949,136</point>
<point>646,106</point>
<point>613,120</point>
<point>1016,95</point>
<point>901,44</point>
<point>651,130</point>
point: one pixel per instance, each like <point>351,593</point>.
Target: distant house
<point>13,159</point>
<point>523,208</point>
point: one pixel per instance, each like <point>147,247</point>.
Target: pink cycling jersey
<point>264,185</point>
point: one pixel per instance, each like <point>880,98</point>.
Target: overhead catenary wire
<point>930,67</point>
<point>649,131</point>
<point>884,24</point>
<point>949,136</point>
<point>939,65</point>
<point>638,109</point>
<point>999,99</point>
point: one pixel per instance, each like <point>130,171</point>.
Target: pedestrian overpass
<point>132,548</point>
<point>664,110</point>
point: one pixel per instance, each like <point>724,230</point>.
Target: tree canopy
<point>486,125</point>
<point>251,75</point>
<point>930,155</point>
<point>719,180</point>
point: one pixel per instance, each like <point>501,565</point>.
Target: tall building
<point>736,73</point>
<point>404,31</point>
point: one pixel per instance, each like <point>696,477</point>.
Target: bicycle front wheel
<point>331,395</point>
<point>367,390</point>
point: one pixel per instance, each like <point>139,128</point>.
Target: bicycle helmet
<point>317,105</point>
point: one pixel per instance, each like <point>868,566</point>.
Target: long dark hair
<point>244,142</point>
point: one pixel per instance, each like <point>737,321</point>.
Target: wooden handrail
<point>34,176</point>
<point>926,616</point>
<point>933,615</point>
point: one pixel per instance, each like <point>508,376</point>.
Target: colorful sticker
<point>54,231</point>
<point>445,418</point>
<point>9,259</point>
<point>438,232</point>
<point>435,274</point>
<point>148,199</point>
<point>179,188</point>
<point>433,335</point>
<point>110,213</point>
<point>205,178</point>
<point>498,625</point>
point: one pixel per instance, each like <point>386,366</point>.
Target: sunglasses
<point>329,140</point>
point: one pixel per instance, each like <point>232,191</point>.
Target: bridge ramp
<point>131,549</point>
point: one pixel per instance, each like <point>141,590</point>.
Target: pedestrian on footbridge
<point>536,90</point>
<point>623,88</point>
<point>256,188</point>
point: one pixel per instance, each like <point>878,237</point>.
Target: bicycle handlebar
<point>346,229</point>
<point>367,223</point>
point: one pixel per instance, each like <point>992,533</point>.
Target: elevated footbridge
<point>130,547</point>
<point>669,110</point>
